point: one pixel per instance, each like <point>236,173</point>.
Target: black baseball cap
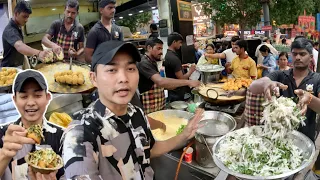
<point>27,74</point>
<point>104,3</point>
<point>107,50</point>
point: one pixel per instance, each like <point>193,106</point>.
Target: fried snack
<point>35,132</point>
<point>61,119</point>
<point>60,56</point>
<point>48,58</point>
<point>69,77</point>
<point>236,84</point>
<point>7,76</point>
<point>44,158</point>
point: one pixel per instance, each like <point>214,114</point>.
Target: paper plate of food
<point>44,161</point>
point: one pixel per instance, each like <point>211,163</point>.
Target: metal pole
<point>266,16</point>
<point>318,60</point>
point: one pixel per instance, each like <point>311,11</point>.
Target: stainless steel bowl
<point>210,73</point>
<point>215,124</point>
<point>299,139</point>
<point>179,105</point>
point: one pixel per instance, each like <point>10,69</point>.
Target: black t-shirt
<point>286,77</point>
<point>172,65</point>
<point>147,68</point>
<point>11,34</point>
<point>58,26</point>
<point>154,35</point>
<point>99,34</point>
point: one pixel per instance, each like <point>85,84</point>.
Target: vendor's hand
<point>194,83</point>
<point>259,65</point>
<point>56,49</point>
<point>39,176</point>
<point>14,140</point>
<point>304,98</point>
<point>192,126</point>
<point>72,52</point>
<point>273,88</point>
<point>206,55</point>
<point>185,66</point>
<point>192,68</point>
<point>44,54</point>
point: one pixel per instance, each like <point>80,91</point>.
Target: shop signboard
<point>155,16</point>
<point>184,10</point>
<point>318,22</point>
<point>307,23</point>
<point>266,28</point>
<point>198,14</point>
<point>259,32</point>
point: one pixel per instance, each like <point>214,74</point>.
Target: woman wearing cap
<point>112,139</point>
<point>31,99</point>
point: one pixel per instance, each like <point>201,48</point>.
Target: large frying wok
<point>49,70</point>
<point>214,94</point>
<point>8,88</point>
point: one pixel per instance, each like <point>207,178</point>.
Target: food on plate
<point>7,76</point>
<point>35,132</point>
<point>61,119</point>
<point>49,57</point>
<point>236,84</point>
<point>69,77</point>
<point>44,158</point>
<point>280,116</point>
<point>248,151</point>
<point>181,128</point>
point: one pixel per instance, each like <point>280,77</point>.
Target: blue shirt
<point>270,62</point>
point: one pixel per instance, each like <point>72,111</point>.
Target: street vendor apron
<point>66,42</point>
<point>153,100</point>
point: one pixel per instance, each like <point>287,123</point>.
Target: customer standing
<point>269,61</point>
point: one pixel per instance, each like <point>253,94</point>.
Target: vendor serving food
<point>242,66</point>
<point>20,137</point>
<point>151,84</point>
<point>294,82</point>
<point>66,36</point>
<point>14,47</point>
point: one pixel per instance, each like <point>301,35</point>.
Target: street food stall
<point>51,70</point>
<point>203,157</point>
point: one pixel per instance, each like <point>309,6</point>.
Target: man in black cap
<point>103,30</point>
<point>112,139</point>
<point>31,99</point>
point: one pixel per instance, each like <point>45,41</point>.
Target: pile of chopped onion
<point>280,117</point>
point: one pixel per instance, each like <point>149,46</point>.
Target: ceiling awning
<point>135,7</point>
